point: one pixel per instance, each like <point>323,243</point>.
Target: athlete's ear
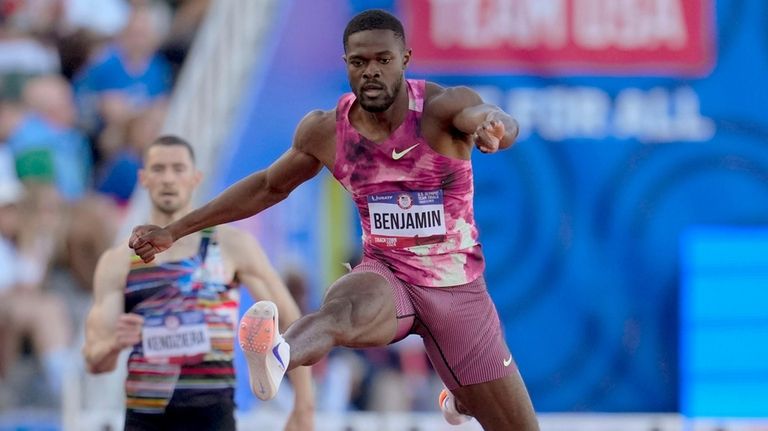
<point>344,58</point>
<point>198,177</point>
<point>143,177</point>
<point>406,57</point>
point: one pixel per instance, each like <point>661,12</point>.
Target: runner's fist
<point>488,136</point>
<point>148,240</point>
<point>128,330</point>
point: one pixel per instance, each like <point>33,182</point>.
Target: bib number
<point>406,219</point>
<point>175,335</point>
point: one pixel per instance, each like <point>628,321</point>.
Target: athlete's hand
<point>301,419</point>
<point>128,330</point>
<point>488,136</point>
<point>148,240</point>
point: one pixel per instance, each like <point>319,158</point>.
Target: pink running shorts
<point>459,326</point>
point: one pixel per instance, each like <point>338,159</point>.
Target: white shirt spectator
<point>28,56</point>
<point>112,16</point>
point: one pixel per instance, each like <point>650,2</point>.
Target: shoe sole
<point>256,336</point>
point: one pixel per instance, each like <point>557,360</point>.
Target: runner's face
<point>376,61</point>
<point>170,177</point>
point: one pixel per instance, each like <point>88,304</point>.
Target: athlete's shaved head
<point>374,19</point>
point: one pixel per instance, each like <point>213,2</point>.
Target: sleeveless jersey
<point>415,204</point>
<point>169,296</point>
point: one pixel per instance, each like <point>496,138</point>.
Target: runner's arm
<point>474,117</point>
<point>102,346</point>
<point>259,190</point>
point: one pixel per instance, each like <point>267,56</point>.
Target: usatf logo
<point>563,37</point>
<point>404,201</point>
<point>172,322</point>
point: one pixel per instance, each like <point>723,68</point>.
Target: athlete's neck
<point>161,218</point>
<point>390,119</point>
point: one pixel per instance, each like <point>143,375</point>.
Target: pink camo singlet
<point>414,203</point>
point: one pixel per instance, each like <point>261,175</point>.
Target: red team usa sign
<point>563,37</point>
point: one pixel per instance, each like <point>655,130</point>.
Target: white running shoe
<point>265,350</point>
<point>447,403</point>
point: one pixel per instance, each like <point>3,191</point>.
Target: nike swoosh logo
<point>508,361</point>
<point>398,156</point>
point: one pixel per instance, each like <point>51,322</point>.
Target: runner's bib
<point>406,219</point>
<point>175,335</point>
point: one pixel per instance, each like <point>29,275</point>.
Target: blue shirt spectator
<point>128,77</point>
<point>120,176</point>
<point>49,153</point>
<point>110,73</point>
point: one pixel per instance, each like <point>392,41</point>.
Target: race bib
<point>175,335</point>
<point>406,219</point>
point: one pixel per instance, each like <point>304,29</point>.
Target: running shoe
<point>447,403</point>
<point>266,352</point>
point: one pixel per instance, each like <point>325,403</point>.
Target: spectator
<point>118,176</point>
<point>112,16</point>
<point>188,15</point>
<point>25,50</point>
<point>22,300</point>
<point>54,156</point>
<point>47,146</point>
<point>128,77</point>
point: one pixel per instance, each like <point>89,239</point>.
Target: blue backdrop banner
<point>638,120</point>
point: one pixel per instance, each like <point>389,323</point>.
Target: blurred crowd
<point>84,84</point>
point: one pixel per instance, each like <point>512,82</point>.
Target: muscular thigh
<point>363,306</point>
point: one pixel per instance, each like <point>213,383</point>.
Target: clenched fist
<point>488,136</point>
<point>149,240</point>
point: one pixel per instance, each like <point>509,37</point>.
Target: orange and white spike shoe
<point>447,403</point>
<point>266,352</point>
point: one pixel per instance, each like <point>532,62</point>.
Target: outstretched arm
<point>252,194</point>
<point>262,281</point>
<point>491,128</point>
<point>245,198</point>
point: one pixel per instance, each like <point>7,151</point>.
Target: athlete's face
<point>376,62</point>
<point>170,177</point>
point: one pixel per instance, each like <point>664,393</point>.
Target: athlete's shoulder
<point>238,245</point>
<point>232,237</point>
<point>433,90</point>
<point>447,102</point>
<point>458,95</point>
<point>116,259</point>
<point>317,125</point>
<point>318,119</point>
<point>118,252</point>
